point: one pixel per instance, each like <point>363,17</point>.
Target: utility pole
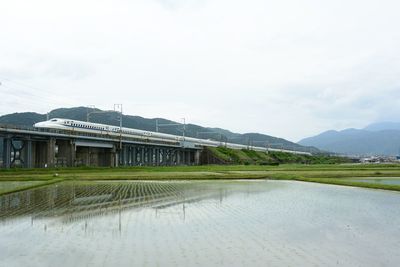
<point>118,108</point>
<point>158,125</point>
<point>183,134</point>
<point>184,128</point>
<point>92,107</point>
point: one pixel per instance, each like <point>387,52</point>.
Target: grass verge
<point>26,187</point>
<point>328,174</point>
<point>351,183</point>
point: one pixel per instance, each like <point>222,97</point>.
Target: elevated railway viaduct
<point>39,148</point>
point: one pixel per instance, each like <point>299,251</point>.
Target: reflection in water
<point>202,223</point>
<point>72,201</point>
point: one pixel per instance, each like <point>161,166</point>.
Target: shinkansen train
<point>103,129</point>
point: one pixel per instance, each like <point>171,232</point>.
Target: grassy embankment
<point>251,157</point>
<point>338,174</point>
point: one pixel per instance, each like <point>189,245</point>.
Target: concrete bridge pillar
<point>148,156</point>
<point>171,157</point>
<point>167,157</point>
<point>66,154</point>
<point>135,156</point>
<point>51,152</point>
<point>156,156</point>
<point>28,154</point>
<point>114,157</point>
<point>142,155</point>
<point>197,156</point>
<point>125,151</point>
<point>130,155</point>
<point>120,155</point>
<point>179,157</point>
<point>188,157</point>
<point>72,156</point>
<point>7,153</point>
<point>152,156</point>
<point>175,157</point>
<point>162,156</point>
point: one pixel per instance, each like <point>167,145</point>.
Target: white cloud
<point>287,68</point>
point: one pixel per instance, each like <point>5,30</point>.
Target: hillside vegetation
<point>251,157</point>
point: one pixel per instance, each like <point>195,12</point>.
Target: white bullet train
<point>103,129</point>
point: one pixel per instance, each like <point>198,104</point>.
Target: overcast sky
<point>288,68</point>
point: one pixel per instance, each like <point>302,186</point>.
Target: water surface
<point>210,223</point>
<point>378,180</point>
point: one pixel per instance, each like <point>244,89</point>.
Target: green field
<point>340,174</point>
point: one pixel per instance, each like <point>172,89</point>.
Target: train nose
<point>39,125</point>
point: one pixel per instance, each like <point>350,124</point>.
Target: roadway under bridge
<point>33,148</point>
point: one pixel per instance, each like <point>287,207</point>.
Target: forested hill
<point>375,139</point>
<point>27,119</point>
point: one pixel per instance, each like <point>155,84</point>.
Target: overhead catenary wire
<point>28,95</point>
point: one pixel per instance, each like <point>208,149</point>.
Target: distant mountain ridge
<point>380,126</point>
<point>27,119</point>
<point>381,138</point>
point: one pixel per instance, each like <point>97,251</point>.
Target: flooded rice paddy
<point>378,180</point>
<point>202,223</point>
<point>12,185</point>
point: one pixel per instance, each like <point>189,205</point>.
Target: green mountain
<point>27,119</point>
<point>375,139</point>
